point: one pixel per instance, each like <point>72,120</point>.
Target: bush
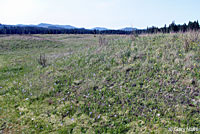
<point>42,60</point>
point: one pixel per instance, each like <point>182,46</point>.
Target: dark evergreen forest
<point>11,29</point>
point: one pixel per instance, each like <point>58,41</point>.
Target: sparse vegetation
<point>145,85</point>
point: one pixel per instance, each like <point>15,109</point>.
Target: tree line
<point>5,29</point>
<point>172,28</point>
<point>38,30</point>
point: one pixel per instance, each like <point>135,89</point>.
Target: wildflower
<point>193,99</point>
<point>72,119</point>
<point>23,90</point>
<point>27,99</point>
<point>158,115</point>
<point>98,116</point>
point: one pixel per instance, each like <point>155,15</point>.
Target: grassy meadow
<point>99,84</point>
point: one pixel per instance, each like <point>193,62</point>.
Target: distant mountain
<point>22,25</point>
<point>55,26</point>
<point>45,25</point>
<point>128,29</point>
<point>51,26</point>
<point>100,28</point>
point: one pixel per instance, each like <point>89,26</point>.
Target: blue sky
<point>102,13</point>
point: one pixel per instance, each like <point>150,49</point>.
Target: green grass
<point>147,85</point>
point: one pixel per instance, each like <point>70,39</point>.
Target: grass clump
<point>42,60</point>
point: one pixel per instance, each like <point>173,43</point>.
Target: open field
<point>91,84</point>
